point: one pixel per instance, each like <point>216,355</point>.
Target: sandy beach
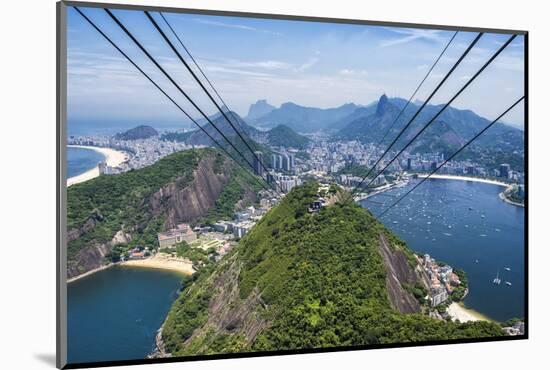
<point>465,178</point>
<point>486,181</point>
<point>91,272</point>
<point>165,262</point>
<point>458,312</point>
<point>112,157</point>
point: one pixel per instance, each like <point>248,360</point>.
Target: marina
<point>466,225</point>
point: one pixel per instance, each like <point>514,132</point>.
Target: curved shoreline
<point>459,311</point>
<point>91,272</point>
<point>466,178</point>
<point>501,195</point>
<point>509,201</point>
<point>113,158</point>
<point>175,264</point>
<point>160,262</point>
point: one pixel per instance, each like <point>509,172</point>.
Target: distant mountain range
<point>259,109</point>
<point>451,129</point>
<point>137,133</point>
<point>368,124</point>
<point>297,117</point>
<point>197,137</point>
<point>310,119</point>
<point>280,135</point>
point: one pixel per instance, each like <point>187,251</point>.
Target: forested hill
<point>282,135</point>
<point>112,213</point>
<point>501,144</point>
<point>137,133</point>
<point>306,280</point>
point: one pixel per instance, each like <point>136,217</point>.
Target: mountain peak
<point>137,133</point>
<point>382,105</point>
<point>258,109</point>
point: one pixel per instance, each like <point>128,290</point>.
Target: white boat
<point>507,268</point>
<point>508,283</point>
<point>496,280</point>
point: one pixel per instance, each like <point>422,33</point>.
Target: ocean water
<point>466,225</point>
<point>114,314</point>
<point>80,160</point>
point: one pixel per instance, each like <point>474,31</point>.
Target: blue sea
<point>466,225</point>
<point>80,160</point>
<point>114,314</point>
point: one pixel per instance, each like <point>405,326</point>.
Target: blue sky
<point>312,64</point>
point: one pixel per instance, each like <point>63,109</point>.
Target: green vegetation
<point>511,322</point>
<point>419,292</point>
<point>459,291</point>
<point>303,155</point>
<point>180,137</point>
<point>354,170</point>
<point>121,201</point>
<point>124,202</point>
<point>333,189</point>
<point>232,193</point>
<point>282,135</point>
<point>322,283</point>
<point>198,256</point>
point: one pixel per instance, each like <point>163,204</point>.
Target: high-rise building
<point>258,163</point>
<point>286,164</point>
<point>274,161</point>
<point>291,162</point>
<point>504,170</point>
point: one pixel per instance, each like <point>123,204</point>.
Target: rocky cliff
<point>130,208</point>
<point>400,273</point>
<point>181,202</point>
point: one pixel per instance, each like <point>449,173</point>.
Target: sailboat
<point>496,280</point>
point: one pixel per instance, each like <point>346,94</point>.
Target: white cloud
<point>236,26</point>
<point>307,65</point>
<point>353,72</point>
<point>221,69</point>
<point>412,34</point>
<point>510,63</point>
<point>262,64</point>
